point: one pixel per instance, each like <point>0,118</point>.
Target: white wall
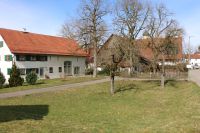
<point>4,65</point>
<point>55,62</point>
<point>195,61</point>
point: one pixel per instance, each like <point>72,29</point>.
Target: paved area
<point>194,75</point>
<point>62,87</point>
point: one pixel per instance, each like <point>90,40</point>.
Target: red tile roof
<point>26,42</point>
<point>195,56</point>
<point>144,50</point>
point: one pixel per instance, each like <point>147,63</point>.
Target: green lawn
<point>50,83</point>
<point>138,106</point>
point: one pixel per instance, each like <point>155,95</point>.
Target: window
<point>29,70</point>
<point>33,58</point>
<point>59,69</point>
<point>22,71</point>
<point>8,71</point>
<point>41,58</point>
<point>50,69</point>
<point>8,58</point>
<point>21,58</point>
<point>1,44</point>
<point>76,70</point>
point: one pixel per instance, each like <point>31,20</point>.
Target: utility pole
<point>189,50</point>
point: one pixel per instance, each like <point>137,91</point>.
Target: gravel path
<point>50,89</point>
<point>194,75</point>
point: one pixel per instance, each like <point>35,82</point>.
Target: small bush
<point>31,78</point>
<point>105,71</point>
<point>15,79</point>
<point>2,80</point>
<point>89,71</point>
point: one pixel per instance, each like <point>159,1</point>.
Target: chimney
<point>24,30</point>
<point>145,35</point>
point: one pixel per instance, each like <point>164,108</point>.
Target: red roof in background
<point>144,51</point>
<point>195,56</point>
<point>26,42</point>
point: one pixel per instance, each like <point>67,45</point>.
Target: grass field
<point>50,83</point>
<point>137,107</point>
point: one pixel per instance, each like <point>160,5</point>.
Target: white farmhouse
<point>194,60</point>
<point>49,56</point>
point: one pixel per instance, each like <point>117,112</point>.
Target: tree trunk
<point>163,72</point>
<point>95,61</point>
<point>112,79</point>
<point>131,65</point>
<point>162,80</point>
<point>154,69</point>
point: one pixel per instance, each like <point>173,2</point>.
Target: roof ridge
<point>35,33</point>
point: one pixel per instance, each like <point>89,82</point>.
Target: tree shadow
<point>171,82</point>
<point>23,112</point>
<point>156,82</point>
<point>126,88</point>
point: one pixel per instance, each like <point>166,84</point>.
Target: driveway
<point>194,75</point>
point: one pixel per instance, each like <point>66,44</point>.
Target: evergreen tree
<point>2,80</point>
<point>15,79</point>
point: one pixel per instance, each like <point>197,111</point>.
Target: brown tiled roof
<point>195,56</point>
<point>147,53</point>
<point>144,50</point>
<point>26,42</point>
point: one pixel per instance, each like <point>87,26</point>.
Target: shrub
<point>105,71</point>
<point>89,71</point>
<point>31,78</point>
<point>2,80</point>
<point>15,79</point>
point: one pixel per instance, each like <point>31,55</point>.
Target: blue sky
<point>47,16</point>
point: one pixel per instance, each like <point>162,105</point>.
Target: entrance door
<point>41,72</point>
<point>68,68</point>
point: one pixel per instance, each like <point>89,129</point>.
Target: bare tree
<point>76,29</point>
<point>162,30</point>
<point>89,29</point>
<point>111,56</point>
<point>130,20</point>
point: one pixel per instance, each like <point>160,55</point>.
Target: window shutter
<point>10,58</point>
<point>1,44</point>
<point>8,71</point>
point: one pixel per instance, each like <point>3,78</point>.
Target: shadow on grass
<point>155,82</point>
<point>23,112</point>
<point>171,82</point>
<point>126,88</point>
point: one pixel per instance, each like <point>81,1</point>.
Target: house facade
<point>48,56</point>
<point>193,60</point>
